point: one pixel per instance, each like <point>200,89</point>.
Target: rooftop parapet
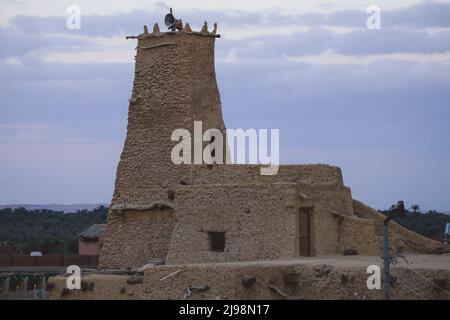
<point>176,26</point>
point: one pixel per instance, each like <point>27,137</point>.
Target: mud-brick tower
<point>195,213</point>
<point>174,85</point>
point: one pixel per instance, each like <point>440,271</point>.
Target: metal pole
<point>446,232</point>
<point>6,285</point>
<point>397,210</point>
<point>386,269</point>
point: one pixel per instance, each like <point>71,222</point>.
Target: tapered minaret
<point>174,85</point>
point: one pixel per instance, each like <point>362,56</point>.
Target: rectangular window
<point>217,241</point>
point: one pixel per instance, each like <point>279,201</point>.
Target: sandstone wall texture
<point>161,211</point>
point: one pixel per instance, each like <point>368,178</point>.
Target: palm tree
<point>415,208</point>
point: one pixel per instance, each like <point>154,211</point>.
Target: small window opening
<point>217,241</point>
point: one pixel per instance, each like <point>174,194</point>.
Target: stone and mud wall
<point>163,212</point>
<point>260,220</point>
<point>363,232</point>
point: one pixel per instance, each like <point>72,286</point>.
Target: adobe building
<point>183,214</point>
<point>91,240</point>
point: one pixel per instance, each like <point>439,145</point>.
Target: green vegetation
<point>430,224</point>
<point>56,232</point>
<point>46,230</point>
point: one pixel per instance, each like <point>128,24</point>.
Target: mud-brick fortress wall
<point>259,215</point>
<point>161,211</point>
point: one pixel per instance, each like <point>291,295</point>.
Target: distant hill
<point>66,208</point>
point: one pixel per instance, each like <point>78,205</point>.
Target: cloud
<point>391,41</point>
<point>423,15</point>
<point>258,34</point>
<point>16,42</point>
<point>91,99</point>
<point>319,40</point>
<point>365,100</point>
<point>329,57</point>
<point>91,25</point>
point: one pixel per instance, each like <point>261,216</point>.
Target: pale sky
<point>45,8</point>
<point>374,102</point>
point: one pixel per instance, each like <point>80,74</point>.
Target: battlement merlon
<point>186,29</point>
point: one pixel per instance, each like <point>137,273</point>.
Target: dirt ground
<point>335,277</point>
